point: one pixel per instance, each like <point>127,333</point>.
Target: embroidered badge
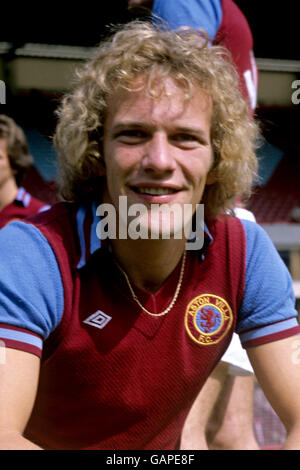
<point>208,319</point>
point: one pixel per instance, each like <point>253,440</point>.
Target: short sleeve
<point>31,291</point>
<point>194,13</point>
<point>268,309</point>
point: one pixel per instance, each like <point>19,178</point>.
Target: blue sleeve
<point>268,306</point>
<point>202,14</point>
<point>31,291</point>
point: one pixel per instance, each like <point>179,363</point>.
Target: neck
<point>8,192</point>
<point>148,263</point>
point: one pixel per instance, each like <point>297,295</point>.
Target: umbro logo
<point>98,319</point>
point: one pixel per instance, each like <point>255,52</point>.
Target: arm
<point>19,372</point>
<point>277,367</point>
<point>31,305</point>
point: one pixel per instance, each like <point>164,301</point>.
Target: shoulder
<point>268,306</point>
<point>233,17</point>
<point>226,226</point>
<point>238,231</point>
<point>24,244</point>
<point>55,221</point>
<point>38,205</point>
<point>195,13</point>
<point>54,212</point>
<point>258,243</point>
<point>59,226</point>
<point>31,291</point>
<point>261,254</point>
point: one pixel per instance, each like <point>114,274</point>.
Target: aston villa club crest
<point>208,319</point>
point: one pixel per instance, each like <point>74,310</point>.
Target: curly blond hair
<point>142,49</point>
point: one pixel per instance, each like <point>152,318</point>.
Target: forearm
<point>18,384</point>
<point>278,372</point>
<point>13,440</point>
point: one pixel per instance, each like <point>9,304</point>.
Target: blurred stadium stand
<point>40,179</point>
<point>43,153</point>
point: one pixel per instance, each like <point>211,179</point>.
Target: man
<point>15,159</point>
<point>119,333</point>
<point>231,386</point>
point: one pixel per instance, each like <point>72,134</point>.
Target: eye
<point>185,139</point>
<point>131,136</point>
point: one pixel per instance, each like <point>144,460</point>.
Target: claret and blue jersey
<point>63,298</point>
<point>24,205</point>
<point>112,376</point>
<point>225,25</point>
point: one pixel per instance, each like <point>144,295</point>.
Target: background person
<point>15,159</point>
<point>225,25</point>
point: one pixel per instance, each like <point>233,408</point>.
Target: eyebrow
<point>191,130</point>
<point>129,125</point>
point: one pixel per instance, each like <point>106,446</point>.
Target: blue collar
<point>23,197</point>
<point>87,222</point>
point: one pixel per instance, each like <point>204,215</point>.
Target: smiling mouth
<point>155,191</point>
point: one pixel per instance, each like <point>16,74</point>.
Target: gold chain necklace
<point>175,295</point>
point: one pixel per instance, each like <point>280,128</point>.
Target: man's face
<point>158,150</point>
<point>6,172</point>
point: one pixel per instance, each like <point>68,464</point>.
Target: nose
<point>159,157</point>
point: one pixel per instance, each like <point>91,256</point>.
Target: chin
<point>154,226</point>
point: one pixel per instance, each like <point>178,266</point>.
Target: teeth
<point>155,191</point>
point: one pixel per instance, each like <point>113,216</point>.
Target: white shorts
<point>237,358</point>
